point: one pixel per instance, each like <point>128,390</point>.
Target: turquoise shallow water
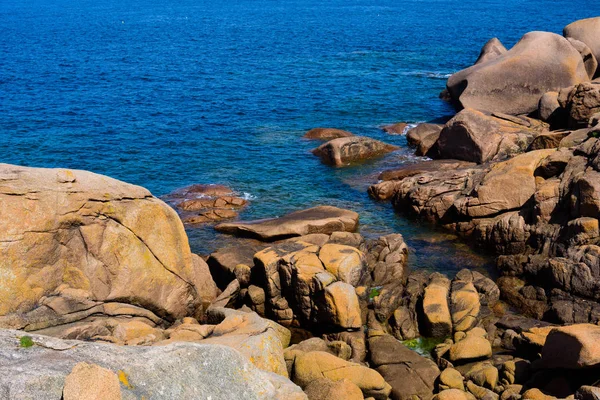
<point>166,94</point>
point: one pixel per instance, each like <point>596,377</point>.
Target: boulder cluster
<point>516,170</point>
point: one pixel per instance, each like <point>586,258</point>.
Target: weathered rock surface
<point>347,150</point>
<point>326,134</point>
<point>424,137</point>
<point>513,82</point>
<point>437,318</point>
<point>81,239</point>
<point>479,137</point>
<point>89,381</point>
<point>322,219</point>
<point>586,31</point>
<point>178,370</point>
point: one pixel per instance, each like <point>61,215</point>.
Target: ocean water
<point>169,93</point>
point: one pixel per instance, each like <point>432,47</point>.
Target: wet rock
<point>322,219</point>
<point>395,129</point>
<point>513,82</point>
<point>343,151</point>
<point>326,134</point>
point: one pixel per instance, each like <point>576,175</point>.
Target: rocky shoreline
<point>101,297</point>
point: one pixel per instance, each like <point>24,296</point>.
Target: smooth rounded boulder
<point>588,32</point>
<point>342,151</point>
<point>492,49</point>
<point>513,82</point>
<point>572,347</point>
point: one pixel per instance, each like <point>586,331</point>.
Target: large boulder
<point>346,150</point>
<point>175,371</point>
<point>91,239</point>
<point>322,219</point>
<point>479,137</point>
<point>513,82</point>
<point>572,347</point>
<point>586,31</point>
<point>424,136</point>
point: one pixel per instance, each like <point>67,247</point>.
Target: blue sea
<point>165,94</point>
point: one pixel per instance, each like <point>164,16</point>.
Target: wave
<point>429,74</point>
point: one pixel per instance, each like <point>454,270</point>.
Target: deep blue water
<point>166,94</point>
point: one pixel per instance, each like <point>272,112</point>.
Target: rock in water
<point>351,149</point>
<point>326,134</point>
<point>81,235</point>
<point>513,82</point>
<point>322,219</point>
<point>588,32</point>
<point>175,371</point>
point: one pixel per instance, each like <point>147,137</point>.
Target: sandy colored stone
<point>453,394</point>
<point>312,366</point>
<point>451,379</point>
<point>586,31</point>
<point>573,347</point>
<point>322,219</point>
<point>346,150</point>
<point>514,81</point>
<point>345,262</point>
<point>325,389</point>
<point>91,382</point>
<point>464,305</point>
<point>438,321</point>
<point>343,306</point>
<point>469,349</point>
<point>83,231</point>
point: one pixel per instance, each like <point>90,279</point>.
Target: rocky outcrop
<point>491,50</point>
<point>75,244</point>
<point>586,31</point>
<point>514,81</point>
<point>582,103</point>
<point>322,219</point>
<point>424,137</point>
<point>177,370</point>
<point>348,150</point>
<point>326,134</point>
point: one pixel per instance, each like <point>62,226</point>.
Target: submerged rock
<point>322,219</point>
<point>326,134</point>
<point>346,150</point>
